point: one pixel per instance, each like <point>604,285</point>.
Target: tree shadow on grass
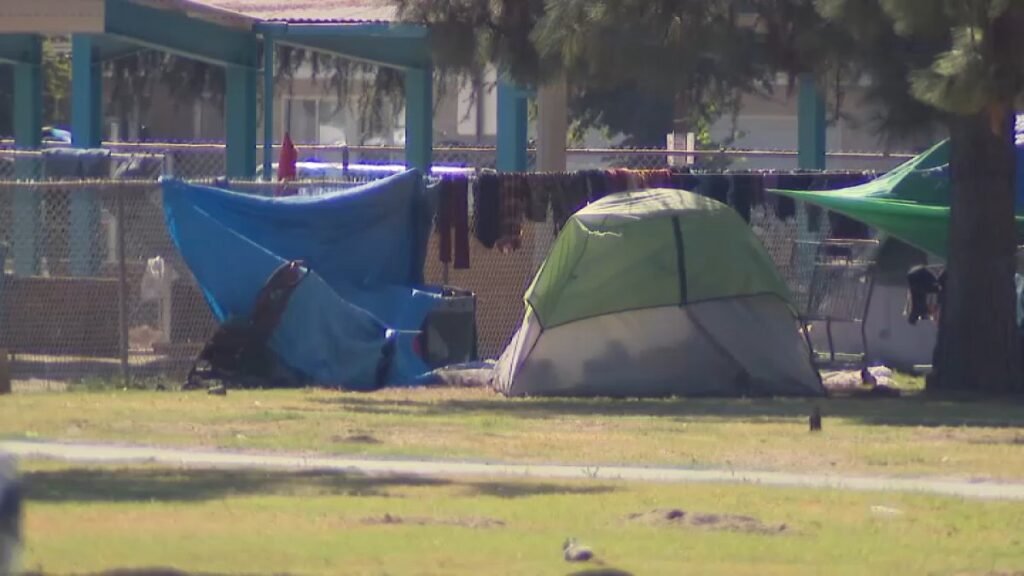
<point>912,410</point>
<point>527,489</point>
<point>185,485</point>
<point>195,485</point>
<point>173,572</point>
<point>602,572</point>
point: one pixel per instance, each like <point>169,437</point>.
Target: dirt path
<point>117,454</point>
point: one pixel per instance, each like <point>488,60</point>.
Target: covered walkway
<point>239,36</point>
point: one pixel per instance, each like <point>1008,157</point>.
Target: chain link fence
<point>208,160</point>
<point>94,291</point>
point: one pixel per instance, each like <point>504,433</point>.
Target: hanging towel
<point>684,181</point>
<point>487,213</point>
<point>636,180</point>
<point>620,181</point>
<point>847,228</point>
<point>785,207</point>
<point>661,179</point>
<point>514,198</point>
<point>568,197</point>
<point>540,186</point>
<point>598,184</point>
<point>742,195</point>
<point>718,188</point>
<point>459,196</point>
<point>444,221</point>
<point>757,198</point>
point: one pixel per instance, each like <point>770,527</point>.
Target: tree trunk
<point>978,347</point>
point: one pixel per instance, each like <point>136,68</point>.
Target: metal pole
<point>122,289</point>
<point>268,107</point>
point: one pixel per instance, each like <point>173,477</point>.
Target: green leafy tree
<point>134,79</point>
<point>56,89</point>
<point>961,61</point>
<point>624,94</point>
<point>956,62</point>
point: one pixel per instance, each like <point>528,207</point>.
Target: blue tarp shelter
<point>365,248</point>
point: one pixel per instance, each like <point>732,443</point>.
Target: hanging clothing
<point>542,188</point>
<point>757,197</point>
<point>803,182</point>
<point>716,187</point>
<point>460,220</point>
<point>684,181</point>
<point>487,212</point>
<point>286,167</point>
<point>515,196</point>
<point>619,181</point>
<point>785,207</point>
<point>636,180</point>
<point>813,218</point>
<point>661,179</point>
<point>597,184</point>
<point>848,228</point>
<point>742,194</point>
<point>453,213</point>
<point>571,196</point>
<point>444,222</point>
<point>922,286</point>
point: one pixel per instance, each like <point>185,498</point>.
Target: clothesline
<point>504,201</point>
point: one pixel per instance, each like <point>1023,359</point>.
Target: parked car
<point>51,134</point>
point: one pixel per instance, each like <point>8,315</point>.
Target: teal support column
<point>28,117</point>
<point>240,116</point>
<point>811,131</point>
<point>86,132</point>
<point>513,120</point>
<point>28,97</point>
<point>86,94</point>
<point>268,107</point>
<point>419,118</point>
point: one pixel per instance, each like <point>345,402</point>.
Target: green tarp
<point>910,203</point>
<point>646,250</point>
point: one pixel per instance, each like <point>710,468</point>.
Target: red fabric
<point>286,163</point>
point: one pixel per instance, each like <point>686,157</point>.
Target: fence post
<point>122,287</point>
<point>812,126</point>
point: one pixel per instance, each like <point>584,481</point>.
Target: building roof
<point>311,11</point>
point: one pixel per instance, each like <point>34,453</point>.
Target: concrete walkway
<point>117,454</point>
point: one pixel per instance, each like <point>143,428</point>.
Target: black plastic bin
<point>449,332</point>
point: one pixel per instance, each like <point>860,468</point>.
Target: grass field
<point>98,518</point>
<point>910,436</point>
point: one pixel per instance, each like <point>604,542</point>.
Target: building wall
<point>315,118</point>
<point>467,115</point>
<point>770,123</point>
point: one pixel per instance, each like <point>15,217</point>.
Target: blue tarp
<point>365,248</point>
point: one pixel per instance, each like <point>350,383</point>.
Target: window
<point>314,121</point>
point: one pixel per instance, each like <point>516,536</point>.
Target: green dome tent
<point>657,293</point>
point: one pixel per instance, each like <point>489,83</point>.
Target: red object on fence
<point>286,165</point>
